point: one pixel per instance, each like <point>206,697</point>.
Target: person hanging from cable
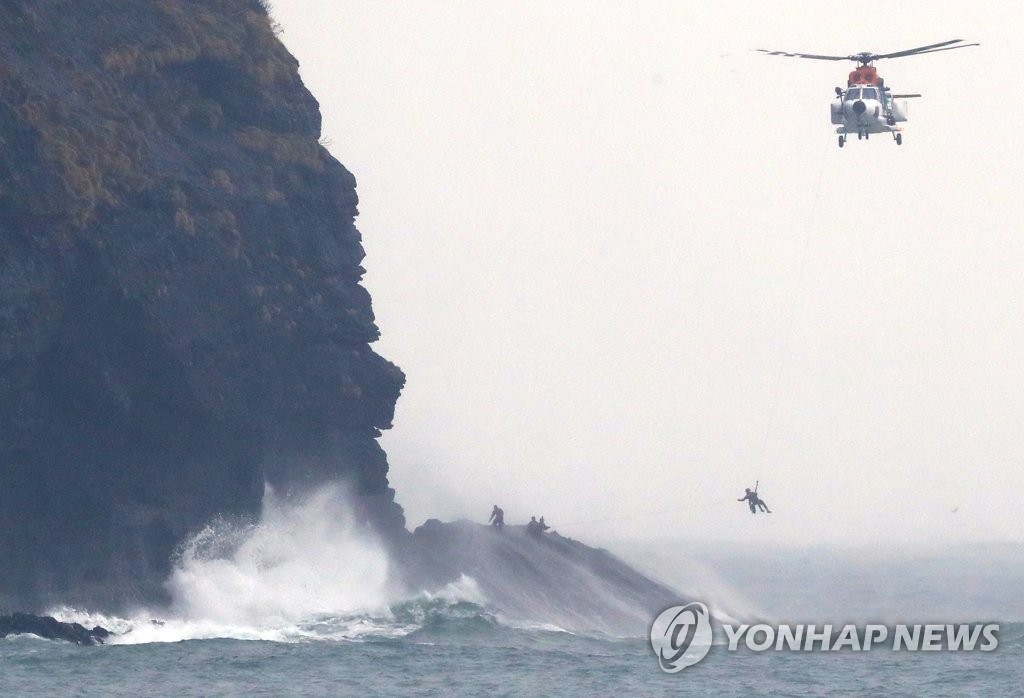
<point>760,503</point>
<point>750,498</point>
<point>754,501</point>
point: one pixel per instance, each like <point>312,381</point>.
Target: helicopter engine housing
<point>899,110</point>
<point>837,112</point>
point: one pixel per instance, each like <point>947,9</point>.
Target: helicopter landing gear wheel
<point>899,139</point>
<point>842,141</point>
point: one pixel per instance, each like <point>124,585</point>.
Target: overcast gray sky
<point>627,270</point>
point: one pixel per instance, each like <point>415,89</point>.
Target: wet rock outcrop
<point>50,628</point>
<point>536,577</point>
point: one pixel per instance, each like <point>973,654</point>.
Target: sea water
<point>473,654</point>
<point>299,604</point>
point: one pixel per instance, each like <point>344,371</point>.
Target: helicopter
<point>867,105</point>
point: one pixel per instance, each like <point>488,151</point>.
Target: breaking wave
<point>304,572</point>
<point>302,560</point>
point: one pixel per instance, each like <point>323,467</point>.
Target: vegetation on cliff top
<point>163,68</point>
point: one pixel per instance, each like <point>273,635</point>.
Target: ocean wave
<point>305,572</point>
<point>456,612</point>
<point>426,615</point>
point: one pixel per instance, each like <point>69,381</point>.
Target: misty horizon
<point>616,287</point>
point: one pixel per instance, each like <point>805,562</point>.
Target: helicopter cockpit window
<point>869,93</point>
<point>852,93</point>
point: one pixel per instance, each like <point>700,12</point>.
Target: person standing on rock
<point>497,517</point>
<point>535,527</point>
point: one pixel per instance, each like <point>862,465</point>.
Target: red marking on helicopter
<point>864,75</point>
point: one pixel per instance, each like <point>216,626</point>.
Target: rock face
<point>537,577</point>
<point>51,629</point>
<point>181,315</point>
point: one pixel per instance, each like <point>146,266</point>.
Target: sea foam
<point>304,570</point>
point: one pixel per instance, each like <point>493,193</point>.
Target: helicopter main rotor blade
<point>787,54</point>
<point>867,57</point>
<point>923,49</point>
<point>934,50</point>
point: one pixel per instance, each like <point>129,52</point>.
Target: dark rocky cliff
<point>181,315</point>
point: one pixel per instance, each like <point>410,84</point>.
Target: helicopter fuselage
<point>866,106</point>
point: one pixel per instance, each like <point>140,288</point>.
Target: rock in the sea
<point>51,629</point>
<point>545,577</point>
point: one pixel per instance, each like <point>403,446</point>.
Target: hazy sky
<point>626,268</point>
